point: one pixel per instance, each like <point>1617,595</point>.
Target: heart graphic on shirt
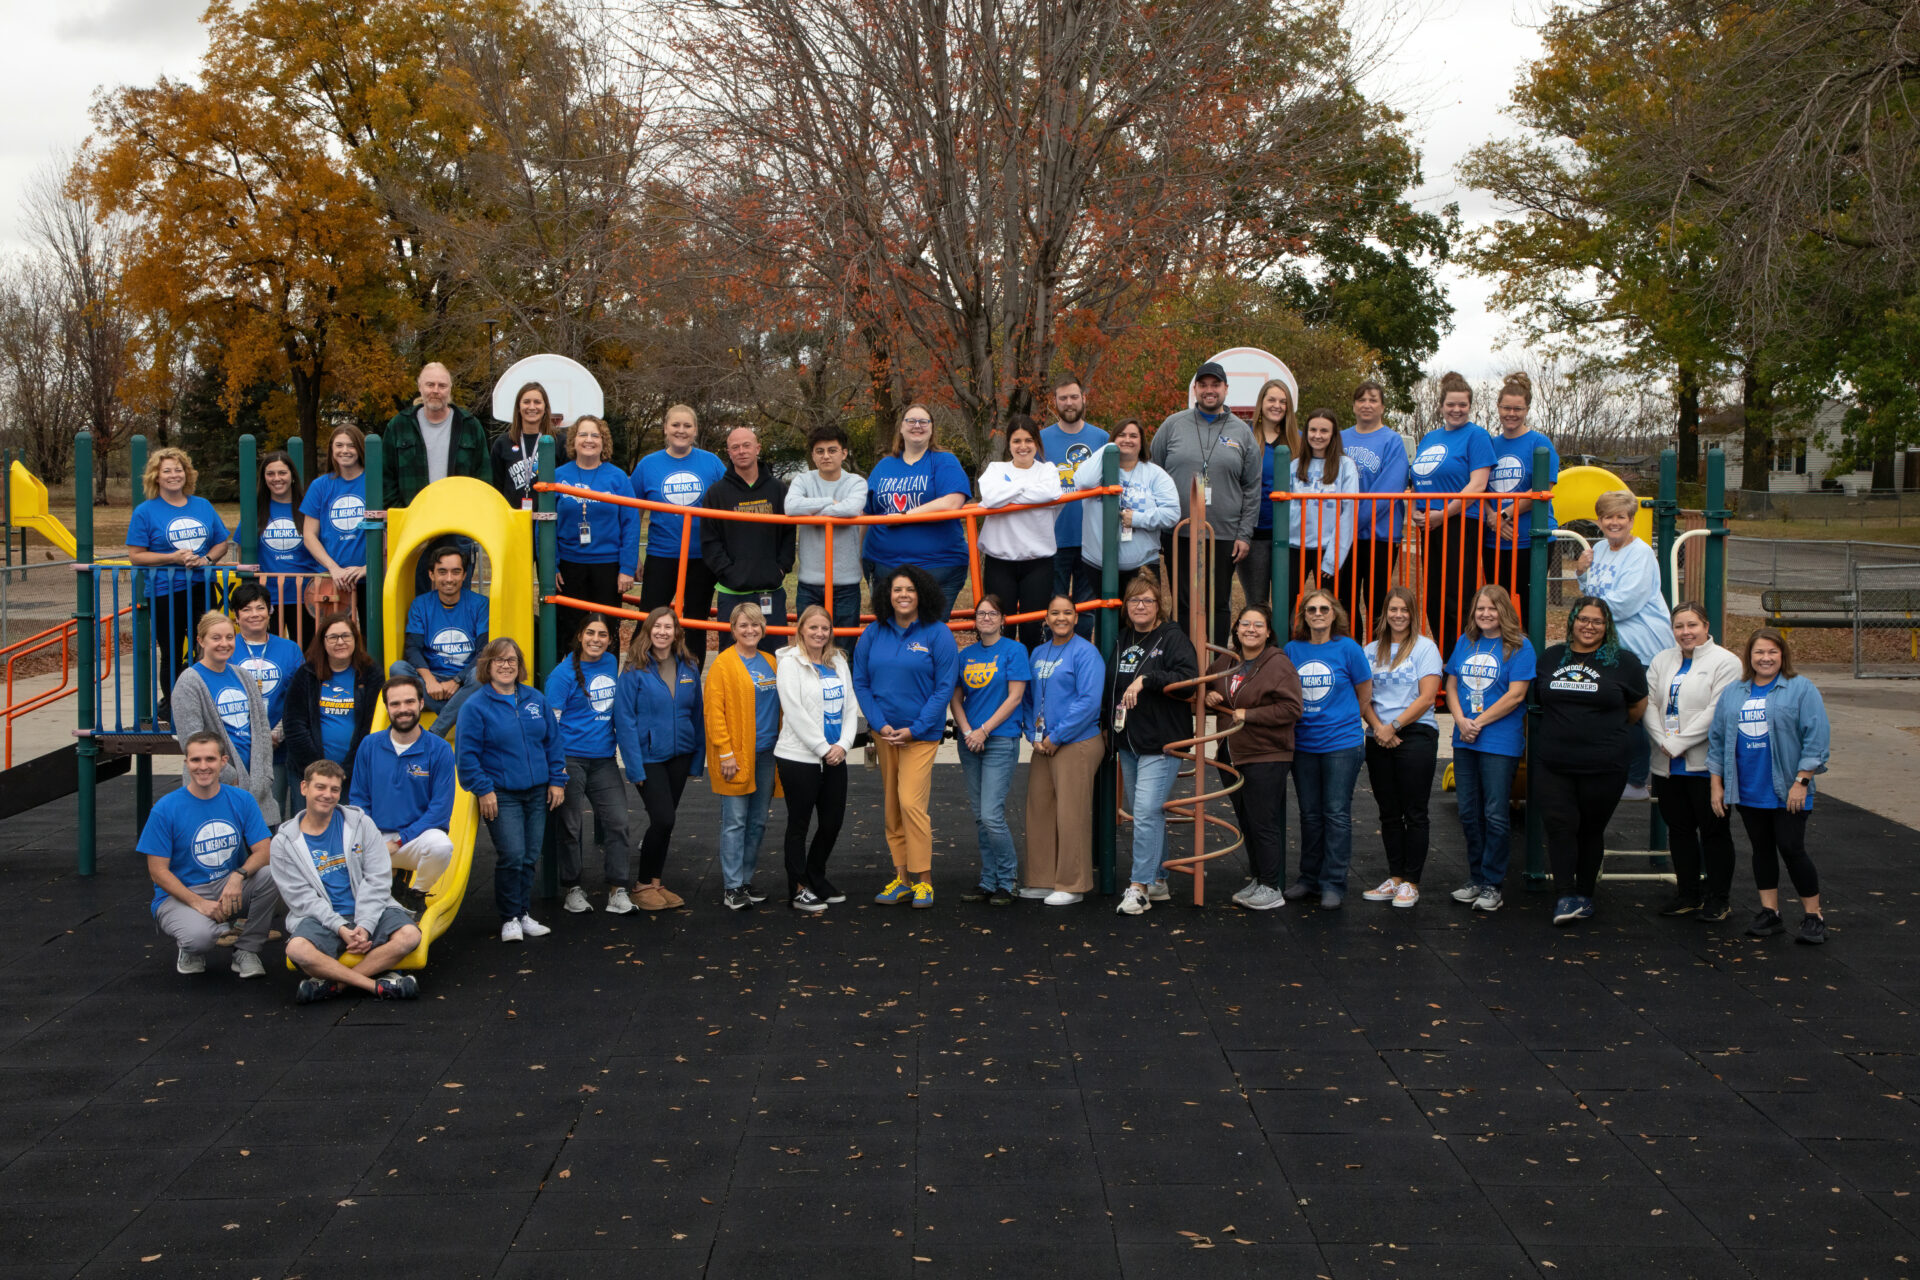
<point>902,503</point>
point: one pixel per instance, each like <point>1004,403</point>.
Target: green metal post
<point>376,553</point>
<point>297,450</point>
<point>547,636</point>
<point>1666,522</point>
<point>1713,592</point>
<point>6,502</point>
<point>87,747</point>
<point>1107,629</point>
<point>1536,866</point>
<point>1282,565</point>
<point>249,502</point>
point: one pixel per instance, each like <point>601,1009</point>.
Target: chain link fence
<point>34,596</point>
<point>1886,621</point>
<point>1832,506</point>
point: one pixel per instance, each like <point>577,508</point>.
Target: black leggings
<point>812,789</point>
<point>1023,586</point>
<point>1576,807</point>
<point>666,779</point>
<point>599,583</point>
<point>1775,831</point>
<point>658,576</point>
<point>1260,807</point>
<point>1696,836</point>
<point>1402,782</point>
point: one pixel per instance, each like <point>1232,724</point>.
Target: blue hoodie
<point>653,725</point>
<point>904,678</point>
<point>585,715</point>
<point>510,744</point>
<point>1068,683</point>
<point>415,790</point>
<point>613,530</point>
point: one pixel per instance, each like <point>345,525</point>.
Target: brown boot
<point>648,898</point>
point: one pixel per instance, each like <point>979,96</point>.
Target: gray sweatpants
<point>191,931</point>
<point>598,785</point>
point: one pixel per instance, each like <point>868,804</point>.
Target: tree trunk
<point>1883,477</point>
<point>1756,452</point>
<point>1687,387</point>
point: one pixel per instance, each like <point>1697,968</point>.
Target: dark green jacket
<point>406,454</point>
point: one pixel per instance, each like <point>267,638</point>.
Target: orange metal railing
<point>16,654</point>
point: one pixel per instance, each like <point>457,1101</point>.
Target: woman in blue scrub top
<point>1329,743</point>
<point>1458,458</point>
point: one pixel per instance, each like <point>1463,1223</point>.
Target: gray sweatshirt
<point>368,870</point>
<point>1232,459</point>
<point>809,495</point>
<point>194,710</point>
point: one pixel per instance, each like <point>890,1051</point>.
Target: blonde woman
<point>816,731</point>
<point>1685,683</point>
<point>1624,572</point>
<point>1487,677</point>
<point>216,693</point>
<point>174,536</point>
<point>1404,746</point>
<point>1329,743</point>
<point>599,541</point>
<point>743,724</point>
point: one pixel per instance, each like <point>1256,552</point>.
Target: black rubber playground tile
<point>1212,1260</point>
<point>1543,1218</point>
<point>217,1229</point>
<point>1613,1262</point>
<point>1447,1261</point>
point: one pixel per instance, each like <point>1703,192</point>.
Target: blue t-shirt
<point>158,525</point>
<point>453,636</point>
<point>1330,674</point>
<point>330,859</point>
<point>661,477</point>
<point>1446,461</point>
<point>1395,688</point>
<point>283,550</point>
<point>202,840</point>
<point>1754,757</point>
<point>272,664</point>
<point>897,487</point>
<point>1512,472</point>
<point>1065,453</point>
<point>1678,765</point>
<point>833,701</point>
<point>1483,671</point>
<point>339,505</point>
<point>230,700</point>
<point>1381,459</point>
<point>766,702</point>
<point>336,716</point>
<point>985,673</point>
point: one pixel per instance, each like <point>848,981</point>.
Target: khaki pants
<point>906,776</point>
<point>1059,853</point>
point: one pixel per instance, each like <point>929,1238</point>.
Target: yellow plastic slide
<point>28,506</point>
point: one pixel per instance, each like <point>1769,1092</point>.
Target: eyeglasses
<point>916,422</point>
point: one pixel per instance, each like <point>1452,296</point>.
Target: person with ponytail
<point>581,690</point>
<point>1456,458</point>
<point>1509,550</point>
<point>1404,742</point>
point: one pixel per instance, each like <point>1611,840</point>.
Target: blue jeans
<point>447,710</point>
<point>1639,757</point>
<point>1324,782</point>
<point>951,579</point>
<point>989,773</point>
<point>1145,783</point>
<point>846,609</point>
<point>517,831</point>
<point>743,820</point>
<point>1074,577</point>
<point>1484,782</point>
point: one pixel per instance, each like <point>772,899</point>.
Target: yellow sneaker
<point>897,890</point>
<point>923,895</point>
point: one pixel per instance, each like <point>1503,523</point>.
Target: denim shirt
<point>1797,733</point>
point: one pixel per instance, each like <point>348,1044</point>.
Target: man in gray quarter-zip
<point>1208,441</point>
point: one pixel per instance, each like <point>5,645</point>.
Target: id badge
<point>1126,533</point>
<point>586,533</point>
<point>1206,493</point>
<point>1475,704</point>
<point>766,607</point>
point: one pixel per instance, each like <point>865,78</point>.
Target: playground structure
<point>111,723</point>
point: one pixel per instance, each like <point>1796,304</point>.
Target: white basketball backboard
<point>571,390</point>
<point>1248,369</point>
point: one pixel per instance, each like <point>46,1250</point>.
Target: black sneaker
<point>1713,910</point>
<point>1813,930</point>
<point>411,899</point>
<point>1765,924</point>
<point>807,902</point>
<point>825,891</point>
<point>1297,890</point>
<point>979,893</point>
<point>1682,904</point>
<point>1000,898</point>
<point>396,986</point>
<point>752,893</point>
<point>737,900</point>
<point>314,990</point>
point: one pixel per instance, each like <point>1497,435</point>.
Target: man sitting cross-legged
<point>331,866</point>
<point>403,780</point>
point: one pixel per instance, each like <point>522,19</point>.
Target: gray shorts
<point>392,921</point>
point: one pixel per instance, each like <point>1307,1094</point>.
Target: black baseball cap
<point>1211,369</point>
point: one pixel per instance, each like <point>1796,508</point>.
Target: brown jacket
<point>1271,696</point>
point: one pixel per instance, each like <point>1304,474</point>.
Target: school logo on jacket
<point>914,646</point>
<point>682,488</point>
<point>280,535</point>
<point>215,843</point>
<point>532,711</point>
<point>756,506</point>
<point>1430,458</point>
<point>1316,682</point>
<point>186,533</point>
<point>346,512</point>
<point>415,769</point>
<point>1129,659</point>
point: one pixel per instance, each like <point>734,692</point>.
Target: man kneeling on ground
<point>332,869</point>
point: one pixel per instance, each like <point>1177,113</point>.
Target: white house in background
<point>1803,458</point>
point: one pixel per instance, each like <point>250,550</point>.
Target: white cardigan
<point>803,734</point>
<point>1713,670</point>
<point>1023,535</point>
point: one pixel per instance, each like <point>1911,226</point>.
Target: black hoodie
<point>1163,656</point>
<point>747,555</point>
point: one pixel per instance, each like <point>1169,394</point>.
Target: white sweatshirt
<point>1023,535</point>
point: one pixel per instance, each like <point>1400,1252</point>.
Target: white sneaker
<point>1158,892</point>
<point>510,931</point>
<point>189,962</point>
<point>1134,902</point>
<point>1061,898</point>
<point>1385,891</point>
<point>1407,894</point>
<point>533,928</point>
<point>1026,891</point>
<point>1636,793</point>
<point>618,903</point>
<point>246,964</point>
<point>1245,891</point>
<point>576,901</point>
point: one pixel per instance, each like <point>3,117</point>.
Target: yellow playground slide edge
<point>27,507</point>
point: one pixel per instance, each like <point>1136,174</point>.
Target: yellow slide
<point>464,506</point>
<point>28,506</point>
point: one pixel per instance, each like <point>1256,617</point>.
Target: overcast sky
<point>1454,63</point>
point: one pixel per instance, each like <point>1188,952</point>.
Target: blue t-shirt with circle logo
<point>452,637</point>
<point>272,663</point>
<point>1512,473</point>
<point>339,505</point>
<point>283,550</point>
<point>986,671</point>
<point>1446,461</point>
<point>202,840</point>
<point>1065,452</point>
<point>1330,675</point>
<point>1482,669</point>
<point>1754,757</point>
<point>661,477</point>
<point>1395,687</point>
<point>230,700</point>
<point>583,704</point>
<point>158,525</point>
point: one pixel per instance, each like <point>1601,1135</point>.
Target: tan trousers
<point>906,776</point>
<point>1059,852</point>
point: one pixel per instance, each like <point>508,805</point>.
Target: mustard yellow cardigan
<point>730,721</point>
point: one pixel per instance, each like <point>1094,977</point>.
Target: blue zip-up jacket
<point>415,790</point>
<point>509,743</point>
<point>653,725</point>
<point>613,530</point>
<point>585,715</point>
<point>1068,683</point>
<point>905,678</point>
<point>1798,735</point>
